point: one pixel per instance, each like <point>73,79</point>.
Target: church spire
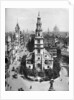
<point>38,26</point>
<point>38,44</point>
<point>38,13</point>
<point>17,20</point>
<point>17,28</point>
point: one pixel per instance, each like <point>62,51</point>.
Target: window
<point>29,66</point>
<point>46,62</point>
<point>38,58</point>
<point>38,41</point>
<point>38,50</point>
<point>47,66</point>
<point>38,34</point>
<point>45,55</point>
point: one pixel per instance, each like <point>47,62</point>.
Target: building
<point>42,58</point>
<point>38,44</point>
<point>17,37</point>
<point>21,40</point>
<point>8,47</point>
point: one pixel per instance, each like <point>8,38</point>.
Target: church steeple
<point>17,36</point>
<point>38,43</point>
<point>38,14</point>
<point>38,25</point>
<point>17,28</point>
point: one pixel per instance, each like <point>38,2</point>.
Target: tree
<point>23,65</point>
<point>30,45</point>
<point>56,68</point>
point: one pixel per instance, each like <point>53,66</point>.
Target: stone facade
<point>43,59</point>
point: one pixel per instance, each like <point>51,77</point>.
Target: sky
<point>27,18</point>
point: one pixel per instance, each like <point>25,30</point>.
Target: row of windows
<point>30,67</point>
<point>39,41</point>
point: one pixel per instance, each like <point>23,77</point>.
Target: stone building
<point>42,58</point>
<point>17,37</point>
<point>21,40</point>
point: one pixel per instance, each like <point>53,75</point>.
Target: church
<point>40,58</point>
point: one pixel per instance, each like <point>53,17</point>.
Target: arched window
<point>38,34</point>
<point>38,41</point>
<point>29,66</point>
<point>47,66</point>
<point>38,50</point>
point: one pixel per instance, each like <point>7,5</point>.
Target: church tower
<point>17,36</point>
<point>38,44</point>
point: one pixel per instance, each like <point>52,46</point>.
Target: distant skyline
<point>27,18</point>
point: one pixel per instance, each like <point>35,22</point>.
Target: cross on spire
<point>17,20</point>
<point>39,13</point>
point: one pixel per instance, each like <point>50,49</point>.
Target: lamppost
<point>51,82</point>
<point>51,85</point>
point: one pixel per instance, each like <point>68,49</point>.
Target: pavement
<point>18,83</point>
<point>60,84</point>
